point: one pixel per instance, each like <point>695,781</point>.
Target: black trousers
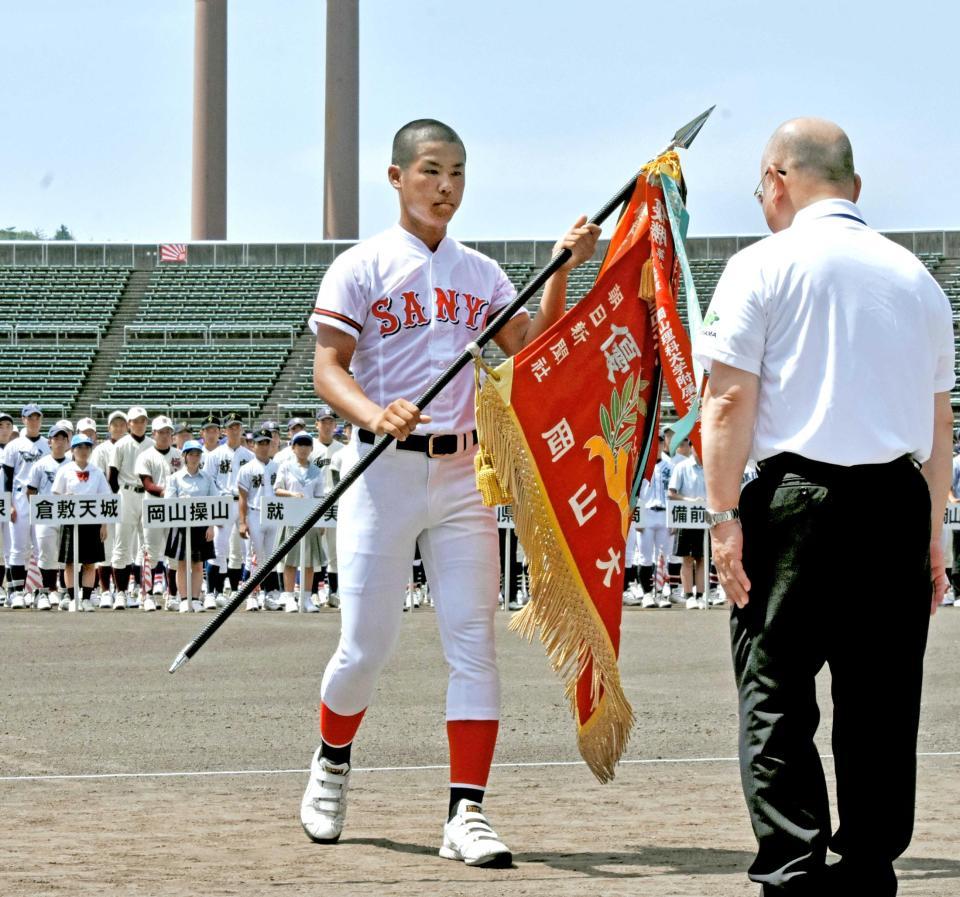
<point>806,528</point>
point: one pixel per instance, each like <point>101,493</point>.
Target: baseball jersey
<point>257,480</point>
<point>653,494</point>
<point>43,473</point>
<point>687,479</point>
<point>412,312</point>
<point>183,484</point>
<point>305,480</point>
<point>224,463</point>
<point>285,456</point>
<point>72,480</point>
<point>322,457</point>
<point>102,454</point>
<point>125,455</point>
<point>21,454</point>
<point>159,466</point>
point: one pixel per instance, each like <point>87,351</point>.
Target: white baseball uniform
<point>42,475</point>
<point>100,458</point>
<point>21,454</point>
<point>256,481</point>
<point>655,538</point>
<point>159,466</point>
<point>224,464</point>
<point>129,538</point>
<point>322,457</point>
<point>412,312</point>
<point>4,535</point>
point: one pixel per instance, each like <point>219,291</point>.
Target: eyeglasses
<point>758,193</point>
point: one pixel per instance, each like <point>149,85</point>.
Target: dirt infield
<point>89,694</point>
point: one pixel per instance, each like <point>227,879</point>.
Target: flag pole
<point>681,140</point>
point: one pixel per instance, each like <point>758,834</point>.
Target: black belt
<point>135,488</point>
<point>433,445</point>
<point>787,462</point>
<point>657,508</point>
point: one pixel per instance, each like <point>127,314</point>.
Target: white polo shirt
<point>412,312</point>
<point>848,333</point>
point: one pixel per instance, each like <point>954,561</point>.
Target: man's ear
<point>394,175</point>
<point>857,186</point>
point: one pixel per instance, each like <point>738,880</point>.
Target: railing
<point>206,333</point>
<point>14,333</point>
<point>176,412</point>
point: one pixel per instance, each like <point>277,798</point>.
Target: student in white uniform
<point>80,477</point>
<point>6,434</point>
<point>655,538</point>
<point>255,484</point>
<point>18,460</point>
<point>101,457</point>
<point>42,475</point>
<point>190,482</point>
<point>300,479</point>
<point>155,466</point>
<point>325,449</point>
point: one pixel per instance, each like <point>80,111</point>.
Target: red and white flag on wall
<point>173,252</point>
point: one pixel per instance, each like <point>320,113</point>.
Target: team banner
<point>566,432</point>
<point>160,513</point>
<point>61,510</point>
<point>951,517</point>
<point>293,511</point>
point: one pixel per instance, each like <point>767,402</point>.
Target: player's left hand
<point>103,532</point>
<point>727,541</point>
<point>938,575</point>
<point>209,534</point>
<point>581,240</point>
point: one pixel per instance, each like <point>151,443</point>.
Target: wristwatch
<point>716,517</point>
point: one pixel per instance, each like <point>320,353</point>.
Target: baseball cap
<point>136,411</point>
<point>211,420</point>
<point>116,415</point>
<point>302,439</point>
<point>58,430</point>
<point>86,423</point>
<point>182,427</point>
<point>5,416</point>
<point>63,422</point>
<point>233,417</point>
<point>295,422</point>
<point>191,445</point>
<point>262,435</point>
<point>80,439</point>
<point>32,408</point>
<point>271,425</point>
<point>161,423</point>
<point>325,411</point>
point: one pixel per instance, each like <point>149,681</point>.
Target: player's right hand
<point>13,515</point>
<point>399,419</point>
<point>243,529</point>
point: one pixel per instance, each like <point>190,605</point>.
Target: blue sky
<point>557,103</point>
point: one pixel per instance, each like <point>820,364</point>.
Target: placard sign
<point>951,516</point>
<point>214,510</point>
<point>686,515</point>
<point>61,510</point>
<point>277,511</point>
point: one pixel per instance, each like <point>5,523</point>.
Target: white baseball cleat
<point>324,805</point>
<point>649,600</point>
<point>42,602</point>
<point>693,603</point>
<point>468,837</point>
<point>271,601</point>
<point>210,602</point>
<point>106,601</point>
<point>184,606</point>
<point>290,603</point>
<point>306,605</point>
<point>197,606</point>
<point>221,599</point>
<point>16,601</point>
<point>86,605</point>
<point>172,603</point>
<point>64,601</point>
<point>149,605</point>
<point>252,604</point>
<point>333,600</point>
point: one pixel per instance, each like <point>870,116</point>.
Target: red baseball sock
<point>337,733</point>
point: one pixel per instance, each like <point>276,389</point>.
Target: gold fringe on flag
<point>560,608</point>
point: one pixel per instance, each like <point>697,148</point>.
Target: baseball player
<point>325,448</point>
<point>397,309</point>
<point>190,482</point>
<point>101,457</point>
<point>300,478</point>
<point>87,426</point>
<point>284,455</point>
<point>655,538</point>
<point>42,475</point>
<point>18,460</point>
<point>124,479</point>
<point>80,477</point>
<point>224,464</point>
<point>182,434</point>
<point>154,467</point>
<point>274,428</point>
<point>6,434</point>
<point>687,482</point>
<point>255,484</point>
<point>210,433</point>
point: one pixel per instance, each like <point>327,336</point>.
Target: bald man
<point>831,359</point>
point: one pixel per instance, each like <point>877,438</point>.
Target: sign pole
<point>706,569</point>
<point>303,575</point>
<point>77,585</point>
<point>189,556</point>
<point>507,568</point>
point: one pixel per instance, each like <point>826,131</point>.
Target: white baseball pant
<point>229,550</point>
<point>655,538</point>
<point>108,545</point>
<point>23,538</point>
<point>128,534</point>
<point>156,543</point>
<point>48,547</point>
<point>262,541</point>
<point>330,548</point>
<point>405,498</point>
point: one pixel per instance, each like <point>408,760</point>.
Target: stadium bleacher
<point>205,336</point>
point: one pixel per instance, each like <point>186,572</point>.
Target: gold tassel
<point>560,610</point>
<point>490,488</point>
<point>648,286</point>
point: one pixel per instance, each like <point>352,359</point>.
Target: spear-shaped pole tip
<point>686,135</point>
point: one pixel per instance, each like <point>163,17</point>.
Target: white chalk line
<point>185,774</point>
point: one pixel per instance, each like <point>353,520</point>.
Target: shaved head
<point>815,146</point>
<point>421,130</point>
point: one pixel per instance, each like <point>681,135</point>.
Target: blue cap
<point>57,430</point>
<point>325,411</point>
<point>302,439</point>
<point>192,445</point>
<point>80,439</point>
<point>32,408</point>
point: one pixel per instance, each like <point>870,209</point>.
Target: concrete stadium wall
<point>538,252</point>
